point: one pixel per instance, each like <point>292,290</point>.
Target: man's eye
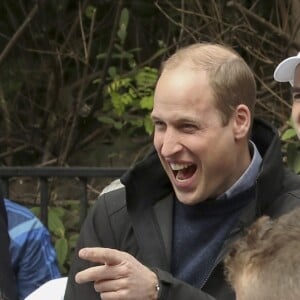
<point>189,127</point>
<point>296,96</point>
<point>158,124</point>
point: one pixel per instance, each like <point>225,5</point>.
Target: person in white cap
<point>289,71</point>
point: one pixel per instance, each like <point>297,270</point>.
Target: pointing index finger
<point>102,255</point>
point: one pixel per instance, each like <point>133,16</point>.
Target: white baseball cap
<point>285,71</point>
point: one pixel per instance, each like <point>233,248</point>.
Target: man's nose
<point>171,144</point>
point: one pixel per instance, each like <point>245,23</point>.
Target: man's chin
<point>187,199</point>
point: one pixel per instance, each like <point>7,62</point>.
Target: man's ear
<point>241,121</point>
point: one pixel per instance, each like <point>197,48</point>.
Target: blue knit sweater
<point>199,233</point>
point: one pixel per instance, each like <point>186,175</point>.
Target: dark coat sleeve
<point>172,288</point>
<point>90,236</point>
<point>7,279</point>
<point>106,225</point>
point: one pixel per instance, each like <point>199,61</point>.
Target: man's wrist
<point>157,285</point>
<point>157,289</point>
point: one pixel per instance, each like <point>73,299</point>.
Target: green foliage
<point>288,134</point>
<point>129,92</point>
<point>90,10</point>
<point>123,23</point>
<point>293,157</point>
<point>291,147</point>
<point>61,247</point>
<point>130,99</point>
<point>63,224</point>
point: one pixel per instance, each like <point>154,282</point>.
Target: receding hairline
<point>199,56</point>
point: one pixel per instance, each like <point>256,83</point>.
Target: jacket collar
<point>271,173</point>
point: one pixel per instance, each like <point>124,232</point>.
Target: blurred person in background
<point>8,290</point>
<point>265,263</point>
<point>289,71</point>
<point>33,256</point>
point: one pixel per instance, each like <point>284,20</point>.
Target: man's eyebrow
<point>295,89</point>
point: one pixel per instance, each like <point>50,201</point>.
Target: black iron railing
<point>44,173</point>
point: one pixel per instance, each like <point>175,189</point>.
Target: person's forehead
<point>297,71</point>
<point>297,76</point>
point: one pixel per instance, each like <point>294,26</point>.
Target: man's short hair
<point>265,263</point>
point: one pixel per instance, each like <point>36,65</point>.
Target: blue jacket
<point>7,280</point>
<point>32,253</point>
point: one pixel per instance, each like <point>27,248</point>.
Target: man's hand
<point>118,276</point>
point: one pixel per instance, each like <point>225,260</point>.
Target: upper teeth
<point>177,167</point>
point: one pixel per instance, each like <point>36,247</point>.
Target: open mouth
<point>183,171</point>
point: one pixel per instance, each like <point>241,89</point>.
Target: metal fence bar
<point>83,200</point>
<point>4,187</point>
<point>44,173</point>
<point>44,200</point>
<point>87,172</point>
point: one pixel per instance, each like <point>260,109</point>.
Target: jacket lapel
<point>152,234</point>
<point>164,215</point>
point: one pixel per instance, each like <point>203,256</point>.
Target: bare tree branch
<point>18,33</point>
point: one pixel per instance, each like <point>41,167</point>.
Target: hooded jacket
<point>137,218</point>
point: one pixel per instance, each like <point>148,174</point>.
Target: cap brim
<point>285,71</point>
